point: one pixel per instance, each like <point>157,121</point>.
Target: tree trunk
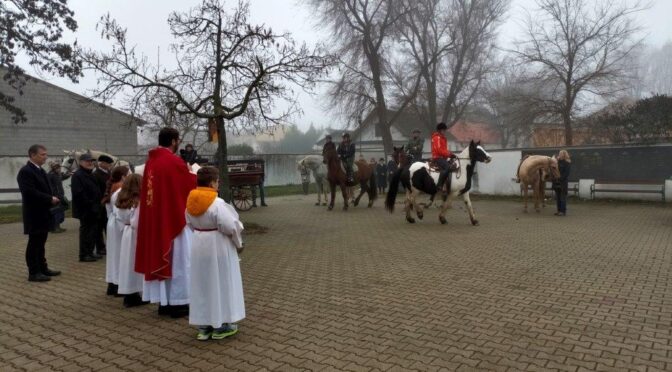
<point>567,121</point>
<point>224,188</point>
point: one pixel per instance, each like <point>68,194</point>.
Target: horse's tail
<point>373,189</point>
<point>392,191</point>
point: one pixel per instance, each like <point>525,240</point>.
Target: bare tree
<point>450,44</point>
<point>226,70</point>
<point>35,29</point>
<point>579,47</point>
<point>363,34</point>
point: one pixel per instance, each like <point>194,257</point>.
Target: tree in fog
<point>579,48</point>
<point>449,43</point>
<point>363,38</point>
<point>656,70</point>
<point>225,69</point>
<point>34,29</point>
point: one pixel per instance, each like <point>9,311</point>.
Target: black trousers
<point>35,258</point>
<point>100,233</point>
<point>88,230</point>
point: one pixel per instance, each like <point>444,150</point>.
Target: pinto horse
<point>419,179</point>
<point>535,170</point>
<point>364,175</point>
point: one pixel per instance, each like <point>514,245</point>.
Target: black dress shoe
<point>87,259</point>
<point>134,300</point>
<point>48,272</point>
<point>165,310</point>
<point>112,289</point>
<point>179,311</point>
<point>39,277</point>
<point>102,252</point>
<point>96,256</point>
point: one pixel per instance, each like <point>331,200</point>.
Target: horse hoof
<point>318,203</point>
<point>474,222</point>
<point>345,208</point>
<point>330,207</point>
<point>355,204</point>
<point>443,220</point>
<point>420,215</point>
<point>410,219</point>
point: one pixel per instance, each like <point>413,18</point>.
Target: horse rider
<point>327,141</point>
<point>346,151</point>
<point>440,153</point>
<point>414,146</point>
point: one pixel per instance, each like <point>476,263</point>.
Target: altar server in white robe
<point>130,282</point>
<point>216,287</point>
<point>114,228</point>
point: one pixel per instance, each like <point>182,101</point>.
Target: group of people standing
<point>170,239</point>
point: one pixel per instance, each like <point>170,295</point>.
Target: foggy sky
<point>147,28</point>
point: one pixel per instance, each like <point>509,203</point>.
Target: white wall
<point>497,177</point>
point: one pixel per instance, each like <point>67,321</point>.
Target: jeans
<point>561,200</point>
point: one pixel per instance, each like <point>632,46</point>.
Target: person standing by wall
<point>561,185</point>
<point>86,207</point>
<point>56,178</point>
<point>381,175</point>
<point>36,200</point>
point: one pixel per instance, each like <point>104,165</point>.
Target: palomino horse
<point>419,179</point>
<point>534,170</point>
<point>315,164</point>
<point>336,176</point>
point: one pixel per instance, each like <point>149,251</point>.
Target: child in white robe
<point>114,229</point>
<point>216,287</point>
<point>130,282</point>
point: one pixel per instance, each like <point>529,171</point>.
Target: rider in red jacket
<point>440,152</point>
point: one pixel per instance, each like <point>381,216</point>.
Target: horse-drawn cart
<point>245,176</point>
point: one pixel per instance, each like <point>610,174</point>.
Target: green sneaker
<point>204,334</point>
<point>224,333</point>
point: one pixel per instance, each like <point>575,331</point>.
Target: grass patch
<point>10,214</point>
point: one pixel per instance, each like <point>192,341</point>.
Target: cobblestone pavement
<point>364,290</point>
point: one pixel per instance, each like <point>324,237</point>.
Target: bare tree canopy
<point>34,29</point>
<point>226,69</point>
<point>579,48</point>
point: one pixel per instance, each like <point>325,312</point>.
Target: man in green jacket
<point>414,146</point>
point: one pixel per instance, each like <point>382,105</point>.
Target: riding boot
<point>442,180</point>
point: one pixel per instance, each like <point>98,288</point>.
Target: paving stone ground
<point>363,290</point>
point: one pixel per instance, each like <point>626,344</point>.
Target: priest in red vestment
<point>163,245</point>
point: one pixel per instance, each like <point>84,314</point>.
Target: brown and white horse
<point>534,171</point>
<point>336,176</point>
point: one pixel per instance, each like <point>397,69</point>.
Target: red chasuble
<point>166,184</point>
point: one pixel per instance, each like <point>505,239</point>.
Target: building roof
<point>464,131</point>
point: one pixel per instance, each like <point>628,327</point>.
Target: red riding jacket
<point>440,147</point>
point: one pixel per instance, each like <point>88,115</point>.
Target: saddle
<point>354,168</point>
<point>453,165</point>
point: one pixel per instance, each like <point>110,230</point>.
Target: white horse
<point>319,170</point>
<point>419,178</point>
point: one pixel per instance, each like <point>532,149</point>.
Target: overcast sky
<point>147,28</point>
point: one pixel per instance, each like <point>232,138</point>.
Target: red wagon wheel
<point>241,197</point>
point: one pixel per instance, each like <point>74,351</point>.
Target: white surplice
<point>129,280</point>
<point>216,282</point>
<point>173,291</point>
<point>115,230</point>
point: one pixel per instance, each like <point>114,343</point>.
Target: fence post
<point>585,189</point>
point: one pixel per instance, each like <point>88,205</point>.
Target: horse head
<point>553,168</point>
<point>399,155</point>
<point>478,153</point>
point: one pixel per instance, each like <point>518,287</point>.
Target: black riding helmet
<point>441,126</point>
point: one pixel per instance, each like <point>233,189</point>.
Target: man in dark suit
<point>86,207</point>
<point>36,200</point>
<point>102,174</point>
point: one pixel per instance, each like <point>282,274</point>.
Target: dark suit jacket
<point>86,195</point>
<point>101,177</point>
<point>36,197</point>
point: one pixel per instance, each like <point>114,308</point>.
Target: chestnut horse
<point>535,170</point>
<point>336,176</point>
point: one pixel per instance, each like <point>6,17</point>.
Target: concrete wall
<point>495,178</point>
<point>63,120</point>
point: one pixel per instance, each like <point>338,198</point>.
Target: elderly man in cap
<point>414,145</point>
<point>86,207</point>
<point>102,175</point>
<point>346,151</point>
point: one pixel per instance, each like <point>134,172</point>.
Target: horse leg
<point>537,196</point>
<point>344,191</point>
<point>444,208</point>
<point>362,190</point>
<point>472,215</point>
<point>525,196</point>
<point>319,192</point>
<point>418,209</point>
<point>408,206</point>
<point>332,186</point>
